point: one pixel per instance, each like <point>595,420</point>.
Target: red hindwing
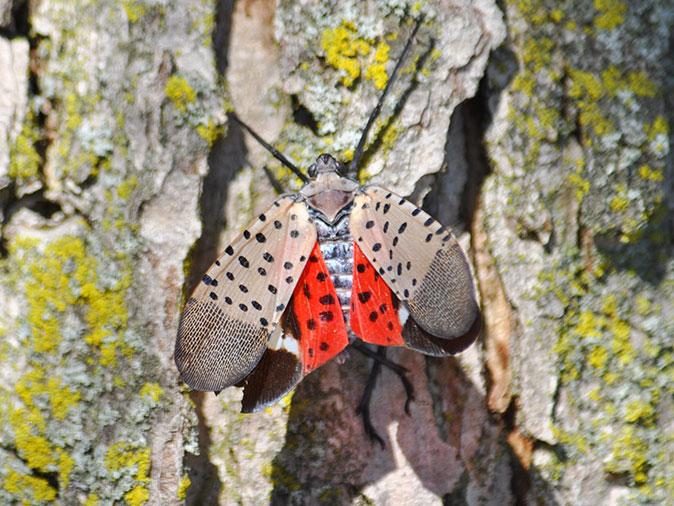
<point>317,312</point>
<point>374,316</point>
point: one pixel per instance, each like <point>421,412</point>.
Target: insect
<point>333,265</point>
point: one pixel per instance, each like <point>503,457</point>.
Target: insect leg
<point>363,408</point>
<point>353,166</point>
<point>275,152</point>
<point>398,369</point>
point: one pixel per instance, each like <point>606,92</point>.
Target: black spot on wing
<point>326,300</point>
<point>326,316</point>
<point>364,296</point>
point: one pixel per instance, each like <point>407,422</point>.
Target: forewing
<point>316,315</point>
<point>228,319</point>
<point>374,308</point>
<point>419,259</point>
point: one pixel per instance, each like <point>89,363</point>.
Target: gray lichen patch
<point>575,216</point>
<point>338,66</point>
<point>93,273</point>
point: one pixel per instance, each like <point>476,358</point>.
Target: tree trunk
<point>539,131</point>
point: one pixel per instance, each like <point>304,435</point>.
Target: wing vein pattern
<point>229,317</point>
<point>419,259</point>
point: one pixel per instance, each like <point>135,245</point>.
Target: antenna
<point>353,166</point>
<point>275,152</point>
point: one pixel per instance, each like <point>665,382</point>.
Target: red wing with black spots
<point>374,315</point>
<point>315,309</point>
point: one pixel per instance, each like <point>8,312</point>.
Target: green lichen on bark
<point>87,403</point>
<point>351,63</point>
<point>585,160</point>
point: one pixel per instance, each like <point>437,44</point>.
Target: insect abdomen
<point>336,246</point>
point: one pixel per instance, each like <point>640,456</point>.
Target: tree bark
<point>539,131</point>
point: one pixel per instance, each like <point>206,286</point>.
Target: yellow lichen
<point>28,489</point>
<point>648,174</point>
<point>642,304</point>
<point>91,500</point>
<point>377,71</point>
<point>640,412</point>
<point>342,47</point>
<point>581,185</point>
<point>126,187</point>
<point>598,357</point>
<point>123,455</point>
<point>134,10</point>
<point>66,464</point>
<point>179,91</point>
<point>151,391</point>
<point>556,15</point>
<point>210,132</point>
<point>641,85</point>
<point>585,84</point>
<point>24,160</point>
<point>628,454</point>
<point>137,496</point>
<point>577,441</point>
<point>619,204</point>
<point>588,325</point>
<point>660,126</point>
<point>183,487</point>
<point>610,13</point>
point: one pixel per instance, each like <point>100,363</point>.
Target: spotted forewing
<point>419,259</point>
<point>228,320</point>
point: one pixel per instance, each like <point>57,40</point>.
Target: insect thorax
<point>336,246</point>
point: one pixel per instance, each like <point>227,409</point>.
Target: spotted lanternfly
<point>329,266</point>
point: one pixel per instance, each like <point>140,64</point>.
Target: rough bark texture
<point>539,130</point>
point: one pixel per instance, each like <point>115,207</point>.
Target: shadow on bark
<point>327,455</point>
<point>227,156</point>
<point>649,255</point>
